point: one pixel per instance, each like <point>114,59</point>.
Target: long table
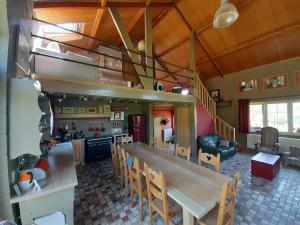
<point>196,188</point>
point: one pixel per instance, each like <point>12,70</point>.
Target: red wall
<point>205,124</point>
<point>165,114</point>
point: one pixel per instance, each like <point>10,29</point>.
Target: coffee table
<point>265,165</point>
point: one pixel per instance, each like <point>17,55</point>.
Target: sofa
<point>214,144</point>
<point>292,157</point>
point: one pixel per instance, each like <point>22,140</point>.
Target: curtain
<point>244,120</point>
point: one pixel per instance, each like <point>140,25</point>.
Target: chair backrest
<point>134,171</point>
<point>127,139</point>
<point>124,161</point>
<point>153,142</point>
<point>165,146</point>
<point>269,136</point>
<point>120,158</point>
<point>183,152</point>
<point>113,151</point>
<point>211,159</point>
<point>227,202</point>
<point>156,188</point>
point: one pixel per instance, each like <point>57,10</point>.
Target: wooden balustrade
<point>222,128</point>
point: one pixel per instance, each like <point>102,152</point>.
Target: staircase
<point>221,127</point>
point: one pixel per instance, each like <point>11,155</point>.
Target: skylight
<point>53,30</point>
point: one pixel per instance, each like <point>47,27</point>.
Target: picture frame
<point>215,94</point>
<point>91,110</point>
<point>80,109</point>
<point>276,81</point>
<point>106,109</point>
<point>68,110</point>
<point>297,78</point>
<point>247,85</point>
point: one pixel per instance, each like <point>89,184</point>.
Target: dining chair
<point>121,165</point>
<point>211,159</point>
<point>126,173</point>
<point>153,142</point>
<point>183,152</point>
<point>127,139</point>
<point>164,146</point>
<point>114,159</point>
<point>223,213</point>
<point>137,183</point>
<point>157,196</point>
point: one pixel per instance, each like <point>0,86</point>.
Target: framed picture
<point>100,108</point>
<point>80,109</point>
<point>91,110</point>
<point>57,110</point>
<point>297,78</point>
<point>68,110</point>
<point>276,81</point>
<point>215,94</point>
<point>247,86</point>
<point>106,109</point>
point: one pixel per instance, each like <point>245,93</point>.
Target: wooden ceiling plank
<point>200,42</point>
<point>133,22</point>
<point>104,3</point>
<point>66,4</point>
<point>96,26</point>
<point>198,32</point>
<point>148,42</point>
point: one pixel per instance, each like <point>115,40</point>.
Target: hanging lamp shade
<point>141,45</point>
<point>226,15</point>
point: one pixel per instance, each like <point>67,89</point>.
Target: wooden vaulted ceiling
<point>266,31</point>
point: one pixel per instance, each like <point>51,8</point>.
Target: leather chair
<point>269,141</point>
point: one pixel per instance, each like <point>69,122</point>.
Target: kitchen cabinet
<point>79,151</point>
<point>24,118</point>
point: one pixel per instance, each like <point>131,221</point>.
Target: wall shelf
<point>81,116</point>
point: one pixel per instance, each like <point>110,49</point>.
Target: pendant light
<point>226,15</point>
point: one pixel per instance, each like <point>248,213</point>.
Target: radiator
<point>283,141</point>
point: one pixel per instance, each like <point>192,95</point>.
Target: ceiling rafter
<point>99,15</point>
<point>133,22</point>
<point>102,4</point>
<point>198,32</point>
<point>200,41</point>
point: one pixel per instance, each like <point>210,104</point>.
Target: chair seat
<point>269,150</point>
<point>174,209</point>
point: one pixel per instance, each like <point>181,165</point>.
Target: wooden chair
<point>137,184</point>
<point>183,152</point>
<point>121,165</point>
<point>157,196</point>
<point>224,212</point>
<point>115,161</point>
<point>164,146</point>
<point>211,159</point>
<point>153,142</point>
<point>126,173</point>
<point>127,139</point>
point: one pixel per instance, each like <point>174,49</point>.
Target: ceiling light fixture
<point>226,15</point>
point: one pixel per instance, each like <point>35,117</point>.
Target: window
<point>256,117</point>
<point>51,31</point>
<point>278,116</point>
<point>296,117</point>
<point>285,116</point>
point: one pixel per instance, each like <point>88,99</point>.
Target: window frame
<point>290,114</point>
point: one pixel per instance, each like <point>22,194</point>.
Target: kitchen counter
<point>57,194</point>
<point>61,175</point>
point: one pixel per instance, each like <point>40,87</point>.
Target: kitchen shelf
<point>81,116</point>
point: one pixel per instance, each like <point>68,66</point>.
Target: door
<point>157,128</point>
<point>183,123</point>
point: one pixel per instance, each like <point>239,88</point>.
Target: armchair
<point>269,141</point>
<point>292,157</point>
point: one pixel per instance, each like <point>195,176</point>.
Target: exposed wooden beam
<point>102,4</point>
<point>204,47</point>
<point>146,82</point>
<point>148,42</point>
<point>198,32</point>
<point>147,2</point>
<point>96,26</point>
<point>193,51</point>
<point>133,22</point>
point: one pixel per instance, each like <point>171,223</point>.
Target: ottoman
<point>265,165</point>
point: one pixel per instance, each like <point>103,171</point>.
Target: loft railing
<point>167,71</point>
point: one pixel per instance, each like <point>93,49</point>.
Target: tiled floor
<point>260,201</point>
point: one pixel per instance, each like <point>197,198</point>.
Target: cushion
<point>210,143</point>
<point>224,143</point>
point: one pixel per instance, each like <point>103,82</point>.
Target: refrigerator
<point>136,127</point>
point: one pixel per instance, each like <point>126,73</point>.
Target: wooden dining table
<point>195,188</point>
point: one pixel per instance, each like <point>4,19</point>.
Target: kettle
<point>25,180</point>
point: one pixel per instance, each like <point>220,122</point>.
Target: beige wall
<point>228,87</point>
